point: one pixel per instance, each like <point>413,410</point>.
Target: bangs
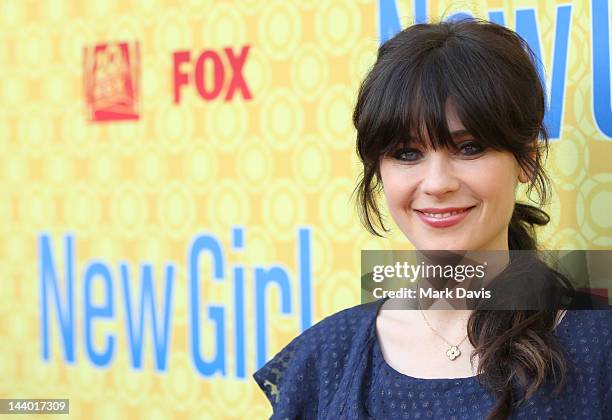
<point>406,102</point>
<point>418,114</point>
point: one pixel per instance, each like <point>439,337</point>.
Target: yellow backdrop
<point>143,190</point>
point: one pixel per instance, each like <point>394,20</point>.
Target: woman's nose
<point>439,175</point>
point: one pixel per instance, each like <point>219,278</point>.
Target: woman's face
<point>452,199</point>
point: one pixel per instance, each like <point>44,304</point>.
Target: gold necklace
<point>453,351</point>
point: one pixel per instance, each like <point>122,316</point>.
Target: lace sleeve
<point>290,379</point>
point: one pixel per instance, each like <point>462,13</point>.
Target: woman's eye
<point>471,148</point>
<point>407,155</point>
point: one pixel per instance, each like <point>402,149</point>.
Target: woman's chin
<point>442,246</point>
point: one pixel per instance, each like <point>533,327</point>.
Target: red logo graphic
<point>112,81</point>
<point>209,67</point>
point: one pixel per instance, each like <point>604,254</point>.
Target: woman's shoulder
<point>308,370</point>
<point>593,321</point>
<point>338,328</point>
<point>347,320</point>
<point>346,325</point>
<point>587,334</point>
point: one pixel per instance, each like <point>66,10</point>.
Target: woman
<point>449,122</point>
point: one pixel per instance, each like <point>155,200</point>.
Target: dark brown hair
<point>489,73</point>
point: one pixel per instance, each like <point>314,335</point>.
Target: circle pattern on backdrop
<point>58,169</point>
<point>35,129</point>
<point>337,25</point>
<point>15,171</point>
<point>151,170</point>
<point>18,248</point>
<point>593,209</point>
<point>105,171</point>
<point>236,397</point>
<point>139,191</point>
<point>75,34</point>
<point>279,29</point>
<point>12,12</point>
<point>77,134</point>
<point>176,211</point>
<point>254,164</point>
<point>13,90</point>
<point>323,254</point>
<point>336,210</point>
<point>362,58</point>
<point>258,74</point>
<point>174,127</point>
<point>567,239</point>
<point>36,207</point>
<point>128,208</point>
<point>172,32</point>
<point>34,52</point>
<point>311,164</point>
<point>7,367</point>
<point>339,291</point>
<point>83,209</point>
<point>199,166</point>
<point>571,159</point>
<point>206,410</point>
<point>334,113</point>
<point>309,72</point>
<point>6,136</point>
<point>57,87</point>
<point>281,119</point>
<point>135,384</point>
<point>227,124</point>
<point>124,138</point>
<point>227,206</point>
<point>283,209</point>
<point>6,212</point>
<point>181,388</point>
<point>224,26</point>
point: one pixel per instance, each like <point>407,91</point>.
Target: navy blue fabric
<point>335,370</point>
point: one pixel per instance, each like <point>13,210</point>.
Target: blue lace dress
<point>335,370</point>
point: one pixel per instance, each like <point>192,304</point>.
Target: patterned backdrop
<point>151,145</point>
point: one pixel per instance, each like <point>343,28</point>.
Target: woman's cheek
<point>396,187</point>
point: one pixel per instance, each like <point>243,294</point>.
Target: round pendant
<point>453,352</point>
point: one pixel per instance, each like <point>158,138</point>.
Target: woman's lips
<point>446,221</point>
